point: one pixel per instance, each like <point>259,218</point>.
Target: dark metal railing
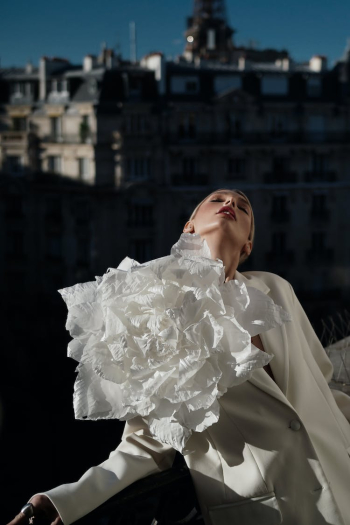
<point>257,137</point>
<point>166,498</point>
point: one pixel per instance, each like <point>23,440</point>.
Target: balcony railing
<point>257,137</point>
<point>320,176</point>
<point>271,177</point>
<point>15,137</point>
<point>166,498</point>
<point>286,257</point>
<point>193,179</point>
<point>22,99</point>
<point>320,215</point>
<point>279,216</point>
<point>69,139</point>
<point>320,257</point>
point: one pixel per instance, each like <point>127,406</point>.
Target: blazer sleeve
<point>320,356</point>
<point>137,456</point>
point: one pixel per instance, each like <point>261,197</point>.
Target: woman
<point>280,451</point>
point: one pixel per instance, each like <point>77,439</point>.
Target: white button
<point>295,425</point>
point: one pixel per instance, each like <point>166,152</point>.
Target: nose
<point>229,201</point>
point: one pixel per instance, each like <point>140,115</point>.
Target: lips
<point>229,210</point>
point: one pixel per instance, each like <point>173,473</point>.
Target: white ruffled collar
<point>164,340</point>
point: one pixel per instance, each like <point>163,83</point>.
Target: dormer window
<point>181,84</point>
<point>274,85</point>
<point>314,86</point>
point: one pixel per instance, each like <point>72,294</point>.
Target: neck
<point>227,252</point>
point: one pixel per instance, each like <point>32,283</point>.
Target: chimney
<point>318,63</point>
<point>156,62</point>
<point>46,67</point>
<point>89,63</point>
<point>29,67</point>
<point>243,63</point>
<point>283,63</point>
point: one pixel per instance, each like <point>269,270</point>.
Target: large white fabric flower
<point>165,339</point>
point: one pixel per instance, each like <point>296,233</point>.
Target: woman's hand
<point>43,508</point>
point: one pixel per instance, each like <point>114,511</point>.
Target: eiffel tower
<point>208,34</point>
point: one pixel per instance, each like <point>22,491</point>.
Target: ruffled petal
<point>165,339</point>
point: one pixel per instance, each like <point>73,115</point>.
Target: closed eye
<point>220,200</point>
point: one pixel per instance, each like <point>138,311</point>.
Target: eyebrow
<point>240,197</point>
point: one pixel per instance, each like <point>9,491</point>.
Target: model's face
<point>207,219</point>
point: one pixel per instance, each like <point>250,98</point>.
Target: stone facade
<point>141,144</point>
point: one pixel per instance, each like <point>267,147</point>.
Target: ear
<point>247,248</point>
<point>189,227</point>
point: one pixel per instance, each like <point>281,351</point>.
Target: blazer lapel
<point>274,342</point>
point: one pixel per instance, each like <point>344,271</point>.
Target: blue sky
<point>71,29</point>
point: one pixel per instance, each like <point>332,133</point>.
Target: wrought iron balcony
<point>258,137</point>
<point>280,177</point>
<point>69,139</point>
<point>319,215</point>
<point>279,216</point>
<point>15,138</point>
<point>192,179</point>
<point>320,176</point>
<point>22,99</point>
<point>283,257</point>
<point>320,257</point>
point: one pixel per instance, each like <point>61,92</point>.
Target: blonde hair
<point>252,225</point>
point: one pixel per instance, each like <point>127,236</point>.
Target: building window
<point>53,246</point>
<point>316,127</point>
<point>54,164</point>
<point>277,124</point>
<point>14,164</point>
<point>319,254</point>
<point>274,85</point>
<point>320,163</point>
<point>184,84</point>
<point>279,243</point>
<point>236,168</point>
<point>29,89</point>
<point>319,208</point>
<point>138,168</point>
<point>279,211</point>
<point>191,86</point>
<point>135,87</point>
<point>84,168</point>
<point>234,126</point>
<point>59,86</point>
<point>141,250</point>
<point>56,127</point>
<point>189,166</point>
<point>19,89</point>
<point>187,126</point>
<point>211,39</point>
<point>135,124</point>
<point>19,124</point>
<point>318,242</point>
<point>319,169</point>
<point>140,213</point>
<point>314,86</point>
<point>224,83</point>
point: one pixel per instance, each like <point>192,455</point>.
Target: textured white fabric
<point>165,340</point>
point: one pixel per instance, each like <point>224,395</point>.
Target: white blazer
<point>280,452</point>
